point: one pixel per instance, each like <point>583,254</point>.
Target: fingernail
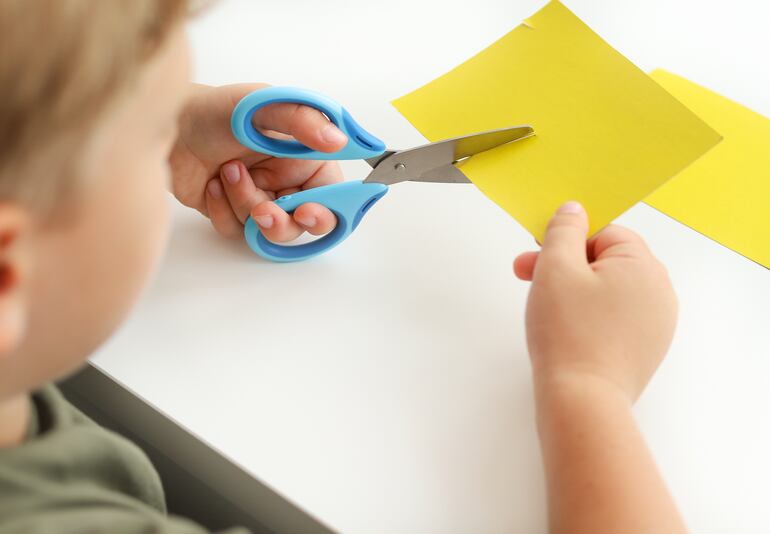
<point>215,189</point>
<point>570,207</point>
<point>231,172</point>
<point>332,135</point>
<point>308,221</point>
<point>264,221</point>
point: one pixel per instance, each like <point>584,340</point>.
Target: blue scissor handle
<point>361,144</point>
<point>349,201</point>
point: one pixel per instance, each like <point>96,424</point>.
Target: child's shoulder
<point>70,474</point>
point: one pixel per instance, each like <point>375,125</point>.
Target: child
<point>92,95</point>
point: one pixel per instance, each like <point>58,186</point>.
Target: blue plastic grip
<point>349,201</point>
<point>361,144</point>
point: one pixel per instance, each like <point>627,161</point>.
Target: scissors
<point>349,201</point>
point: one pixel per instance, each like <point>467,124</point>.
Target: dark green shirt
<point>71,475</point>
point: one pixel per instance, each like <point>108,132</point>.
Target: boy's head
<point>89,92</point>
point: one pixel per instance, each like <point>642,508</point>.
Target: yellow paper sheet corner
<point>725,194</point>
<point>606,134</point>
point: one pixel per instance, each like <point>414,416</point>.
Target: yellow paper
<point>606,134</point>
<point>725,194</point>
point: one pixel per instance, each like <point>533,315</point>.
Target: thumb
<point>565,237</point>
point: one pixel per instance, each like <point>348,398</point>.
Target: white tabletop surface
<point>385,386</point>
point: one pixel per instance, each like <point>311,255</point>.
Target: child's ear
<point>14,229</point>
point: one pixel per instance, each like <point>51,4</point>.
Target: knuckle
<point>557,261</point>
<point>244,205</point>
<point>557,236</point>
<point>302,115</point>
<point>629,236</point>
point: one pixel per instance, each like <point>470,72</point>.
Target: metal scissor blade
<point>423,163</point>
<point>448,174</point>
<point>373,162</point>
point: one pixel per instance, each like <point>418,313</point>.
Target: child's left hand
<point>227,182</point>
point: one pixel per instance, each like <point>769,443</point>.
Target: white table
<point>385,387</point>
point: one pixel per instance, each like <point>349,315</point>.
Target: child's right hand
<point>227,182</point>
<point>599,313</point>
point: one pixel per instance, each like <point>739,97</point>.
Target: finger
<point>565,237</point>
<point>240,189</point>
<point>315,218</point>
<point>307,125</point>
<point>329,172</point>
<point>524,265</point>
<point>616,241</point>
<point>221,214</point>
<point>277,174</point>
<point>275,224</point>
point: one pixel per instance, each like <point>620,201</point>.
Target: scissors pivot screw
<point>400,166</point>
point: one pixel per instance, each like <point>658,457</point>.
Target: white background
<point>385,386</point>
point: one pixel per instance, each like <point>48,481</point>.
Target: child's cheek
<point>155,221</point>
<point>161,233</point>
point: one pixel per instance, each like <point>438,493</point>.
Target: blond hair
<point>61,64</point>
